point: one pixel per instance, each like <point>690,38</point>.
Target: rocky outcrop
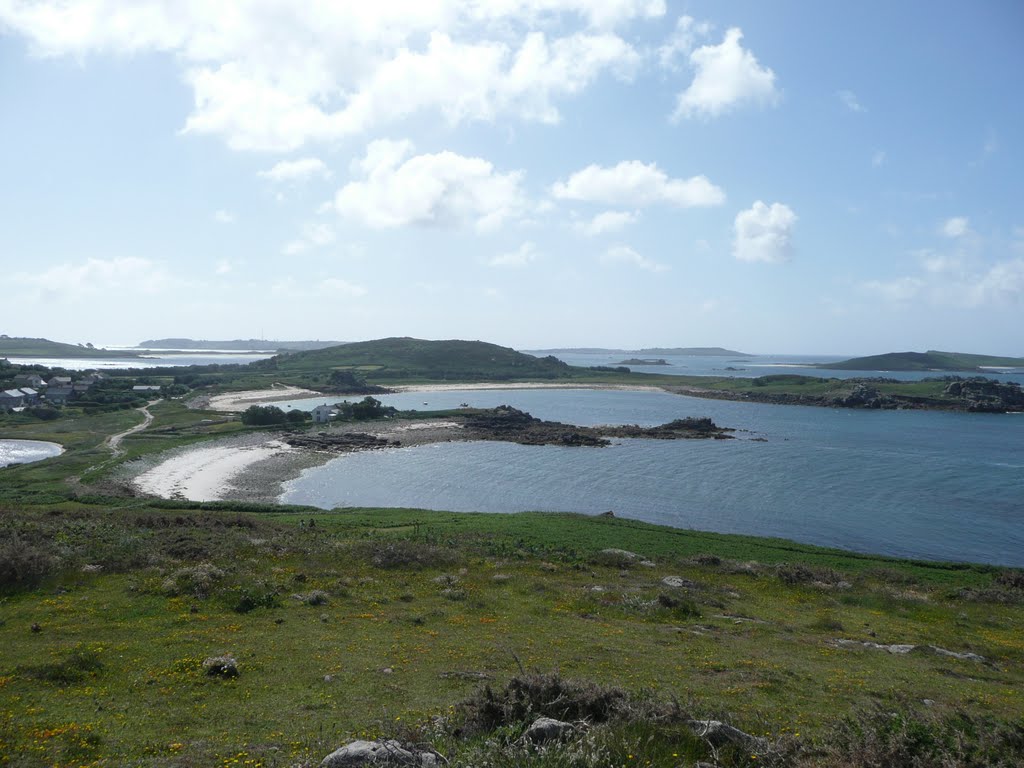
<point>220,666</point>
<point>339,442</point>
<point>718,734</point>
<point>383,752</point>
<point>513,425</point>
<point>987,395</point>
<point>546,729</point>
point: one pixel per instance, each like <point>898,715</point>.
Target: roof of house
<point>27,391</point>
<point>59,391</point>
<point>12,393</point>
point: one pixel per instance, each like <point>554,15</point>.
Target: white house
<point>323,414</point>
<point>11,398</point>
<point>31,395</point>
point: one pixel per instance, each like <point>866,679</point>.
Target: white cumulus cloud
<point>637,184</point>
<point>274,75</point>
<point>727,76</point>
<point>680,44</point>
<point>440,190</point>
<point>296,170</point>
<point>623,254</point>
<point>764,233</point>
<point>224,217</point>
<point>608,221</point>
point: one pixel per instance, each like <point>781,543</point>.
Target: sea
<point>913,484</point>
<point>151,358</point>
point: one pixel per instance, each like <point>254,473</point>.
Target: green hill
<point>14,346</point>
<point>418,359</point>
<point>932,360</point>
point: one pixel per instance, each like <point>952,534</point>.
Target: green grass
<point>415,592</point>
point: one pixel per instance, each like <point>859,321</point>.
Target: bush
<point>24,563</point>
<point>403,553</point>
<point>197,580</point>
<point>875,738</point>
<point>263,415</point>
<point>74,668</point>
<point>249,597</point>
<point>529,696</point>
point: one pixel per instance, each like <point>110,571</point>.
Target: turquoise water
<point>932,485</point>
<point>26,451</point>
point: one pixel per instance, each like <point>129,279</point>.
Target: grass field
<point>372,622</point>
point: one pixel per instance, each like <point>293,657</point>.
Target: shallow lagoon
<point>26,451</point>
<point>906,483</point>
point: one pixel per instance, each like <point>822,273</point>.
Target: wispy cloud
<point>623,254</point>
<point>850,101</point>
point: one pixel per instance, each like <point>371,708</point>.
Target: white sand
<point>523,385</point>
<point>235,402</point>
<point>204,474</point>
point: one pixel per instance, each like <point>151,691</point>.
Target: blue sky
<point>774,177</point>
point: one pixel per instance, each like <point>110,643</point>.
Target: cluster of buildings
<point>32,389</point>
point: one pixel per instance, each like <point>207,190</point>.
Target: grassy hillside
<point>12,346</point>
<point>931,360</point>
<point>371,623</point>
<point>411,359</point>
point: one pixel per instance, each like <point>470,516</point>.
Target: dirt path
<point>114,441</point>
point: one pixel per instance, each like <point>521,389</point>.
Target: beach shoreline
<point>255,469</point>
<point>236,402</point>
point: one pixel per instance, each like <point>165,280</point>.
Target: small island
<point>16,346</point>
<point>932,360</point>
<point>644,361</point>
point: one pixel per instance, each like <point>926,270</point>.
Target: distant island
<point>15,346</point>
<point>237,345</point>
<point>648,351</point>
<point>932,360</point>
<point>644,361</point>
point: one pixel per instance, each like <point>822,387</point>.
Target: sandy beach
<point>255,470</point>
<point>236,402</point>
<point>205,473</point>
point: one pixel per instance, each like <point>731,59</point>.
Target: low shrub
<point>534,695</point>
<point>795,574</point>
<point>24,560</point>
<point>196,580</point>
<point>403,553</point>
<point>74,668</point>
<point>877,737</point>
